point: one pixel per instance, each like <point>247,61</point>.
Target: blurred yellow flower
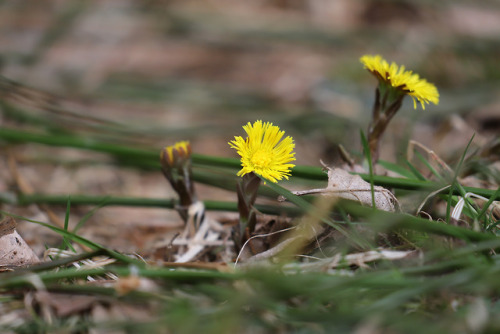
<point>406,81</point>
<point>170,154</point>
<point>263,152</point>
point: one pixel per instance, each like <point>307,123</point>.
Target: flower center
<point>261,158</point>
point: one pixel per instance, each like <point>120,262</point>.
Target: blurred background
<point>150,73</point>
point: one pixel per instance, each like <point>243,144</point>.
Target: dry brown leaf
<point>13,248</point>
<point>353,187</point>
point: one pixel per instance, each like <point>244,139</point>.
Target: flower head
<point>176,166</point>
<point>397,77</point>
<point>176,153</point>
<point>263,151</point>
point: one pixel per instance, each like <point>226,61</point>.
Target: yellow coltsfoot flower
<point>399,78</point>
<point>176,167</point>
<point>263,152</point>
<point>180,150</point>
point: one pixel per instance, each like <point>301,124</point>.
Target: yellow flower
<point>263,151</point>
<point>406,81</point>
<point>180,150</point>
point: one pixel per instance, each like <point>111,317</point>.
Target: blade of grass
<point>311,210</point>
<point>415,171</point>
<point>429,166</point>
<point>396,169</point>
<point>455,184</point>
<point>145,202</point>
<point>76,238</point>
<point>487,205</point>
<point>66,223</point>
<point>87,216</point>
<point>24,278</point>
<point>392,221</point>
<point>297,200</point>
<point>62,261</point>
<point>148,158</point>
<point>18,136</point>
<point>77,199</point>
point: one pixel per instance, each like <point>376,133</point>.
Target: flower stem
<point>247,194</point>
<point>380,120</point>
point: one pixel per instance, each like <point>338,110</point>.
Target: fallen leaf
<point>352,187</point>
<point>13,248</point>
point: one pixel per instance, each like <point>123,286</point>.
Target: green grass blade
<point>415,171</point>
<point>456,185</point>
<point>429,166</point>
<point>87,216</point>
<point>487,204</point>
<point>76,238</point>
<point>66,224</point>
<point>387,221</point>
<point>395,168</point>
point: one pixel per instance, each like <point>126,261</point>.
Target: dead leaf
<point>13,248</point>
<point>352,187</point>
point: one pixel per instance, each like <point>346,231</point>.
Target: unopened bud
<point>175,155</point>
<point>176,166</point>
